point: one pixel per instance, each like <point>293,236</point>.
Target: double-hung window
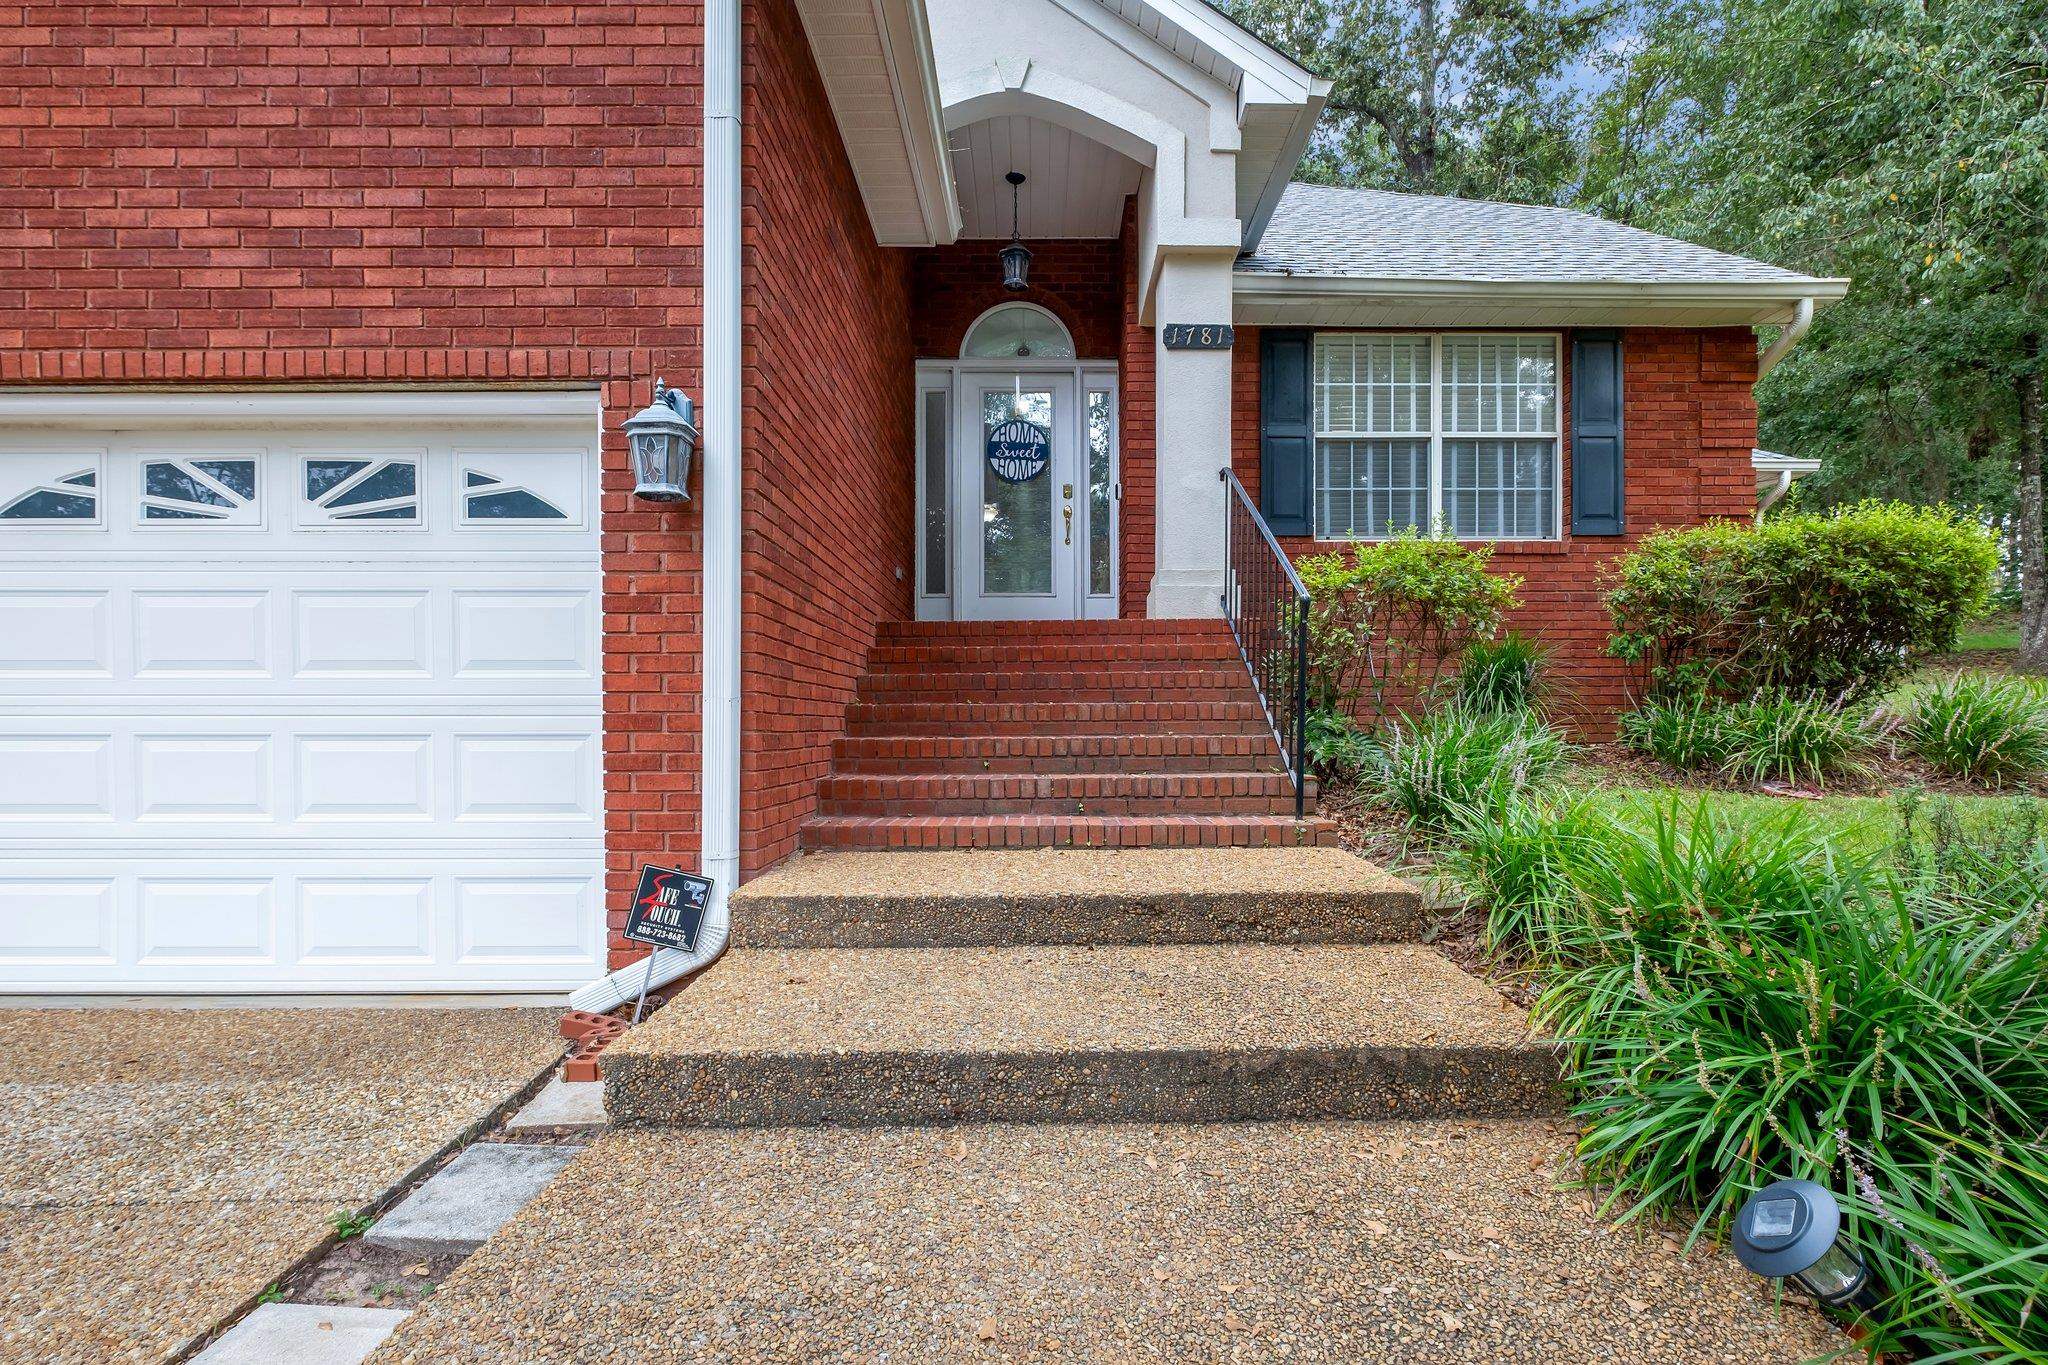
<point>1457,431</point>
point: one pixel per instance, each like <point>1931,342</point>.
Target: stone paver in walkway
<point>561,1106</point>
<point>1301,1241</point>
<point>303,1334</point>
<point>163,1166</point>
<point>469,1199</point>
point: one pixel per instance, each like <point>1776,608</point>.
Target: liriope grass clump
<point>1737,1002</point>
<point>1461,759</point>
<point>1977,726</point>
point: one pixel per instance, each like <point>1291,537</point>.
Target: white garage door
<point>299,693</point>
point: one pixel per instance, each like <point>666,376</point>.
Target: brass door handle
<point>1068,512</point>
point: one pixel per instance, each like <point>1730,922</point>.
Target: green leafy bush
<point>1501,675</point>
<point>1437,770</point>
<point>1389,616</point>
<point>1689,733</point>
<point>1516,861</point>
<point>1336,746</point>
<point>1975,725</point>
<point>1786,739</point>
<point>1836,604</point>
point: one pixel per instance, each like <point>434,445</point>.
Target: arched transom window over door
<point>1018,329</point>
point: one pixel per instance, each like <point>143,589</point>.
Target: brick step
<point>1054,717</point>
<point>1180,1034</point>
<point>1127,628</point>
<point>1169,684</point>
<point>1011,655</point>
<point>1242,793</point>
<point>1017,897</point>
<point>823,832</point>
<point>1153,753</point>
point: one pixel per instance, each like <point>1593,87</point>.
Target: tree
<point>1903,143</point>
<point>1458,97</point>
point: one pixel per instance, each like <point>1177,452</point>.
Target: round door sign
<point>1018,451</point>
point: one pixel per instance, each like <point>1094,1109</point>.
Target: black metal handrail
<point>1267,607</point>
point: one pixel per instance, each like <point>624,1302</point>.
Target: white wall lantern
<point>663,436</point>
<point>1016,257</point>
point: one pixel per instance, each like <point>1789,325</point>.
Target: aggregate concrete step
<point>1009,898</point>
<point>1132,794</point>
<point>1180,1034</point>
<point>1159,753</point>
<point>1062,831</point>
<point>1055,717</point>
<point>1060,684</point>
<point>1447,1243</point>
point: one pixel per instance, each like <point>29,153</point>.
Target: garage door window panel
<point>341,491</point>
<point>219,491</point>
<point>52,491</point>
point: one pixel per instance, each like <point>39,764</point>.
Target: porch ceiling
<point>1076,186</point>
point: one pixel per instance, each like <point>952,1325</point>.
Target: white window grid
<point>1375,399</point>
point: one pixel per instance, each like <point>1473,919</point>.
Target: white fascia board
<point>1770,301</point>
<point>906,32</point>
<point>1241,49</point>
<point>137,409</point>
<point>1282,170</point>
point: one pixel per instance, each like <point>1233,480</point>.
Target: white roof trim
<point>1287,80</point>
<point>1772,462</point>
<point>1631,303</point>
<point>131,409</point>
<point>899,161</point>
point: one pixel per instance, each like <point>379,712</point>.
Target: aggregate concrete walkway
<point>1390,1242</point>
<point>163,1166</point>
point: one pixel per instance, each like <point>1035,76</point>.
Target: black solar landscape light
<point>1790,1230</point>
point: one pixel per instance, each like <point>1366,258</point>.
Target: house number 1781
<point>1198,336</point>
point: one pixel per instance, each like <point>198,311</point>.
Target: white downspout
<point>720,463</point>
<point>1788,337</point>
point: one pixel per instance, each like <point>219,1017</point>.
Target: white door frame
<point>1072,599</point>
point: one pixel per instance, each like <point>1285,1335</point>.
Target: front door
<point>1023,477</point>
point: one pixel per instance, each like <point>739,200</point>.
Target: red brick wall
<point>482,194</point>
<point>1689,422</point>
<point>1078,281</point>
<point>829,491</point>
<point>1138,432</point>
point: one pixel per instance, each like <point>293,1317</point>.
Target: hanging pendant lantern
<point>1016,257</point>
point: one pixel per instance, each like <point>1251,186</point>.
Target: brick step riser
<point>1125,717</point>
<point>1255,758</point>
<point>1181,1086</point>
<point>1100,694</point>
<point>1142,786</point>
<point>1129,806</point>
<point>1013,658</point>
<point>946,727</point>
<point>1030,831</point>
<point>1053,632</point>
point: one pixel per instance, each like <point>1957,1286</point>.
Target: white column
<point>1192,440</point>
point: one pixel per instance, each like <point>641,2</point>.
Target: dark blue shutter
<point>1286,429</point>
<point>1597,482</point>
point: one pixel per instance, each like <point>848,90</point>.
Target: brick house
<point>337,652</point>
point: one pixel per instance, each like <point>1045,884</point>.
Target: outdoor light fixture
<point>1016,257</point>
<point>664,436</point>
<point>1788,1230</point>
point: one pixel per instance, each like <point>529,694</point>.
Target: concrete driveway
<point>163,1167</point>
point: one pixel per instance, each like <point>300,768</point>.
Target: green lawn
<point>1857,825</point>
<point>2002,633</point>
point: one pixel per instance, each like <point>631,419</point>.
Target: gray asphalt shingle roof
<point>1377,234</point>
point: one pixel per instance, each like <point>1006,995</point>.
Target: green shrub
<point>1456,761</point>
<point>1836,604</point>
<point>1736,1005</point>
<point>1976,725</point>
<point>1501,675</point>
<point>1336,746</point>
<point>1388,617</point>
<point>1688,733</point>
<point>2000,860</point>
<point>1784,739</point>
